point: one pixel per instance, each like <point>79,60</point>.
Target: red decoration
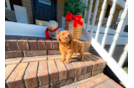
<point>47,32</point>
<point>76,19</point>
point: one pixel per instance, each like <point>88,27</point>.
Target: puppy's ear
<point>71,37</point>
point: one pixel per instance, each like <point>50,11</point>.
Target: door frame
<point>32,6</point>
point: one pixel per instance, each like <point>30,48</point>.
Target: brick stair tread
<point>99,81</point>
<point>38,70</point>
<point>23,46</point>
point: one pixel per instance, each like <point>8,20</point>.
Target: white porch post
<point>109,21</point>
<point>89,14</point>
<point>119,27</point>
<point>101,19</point>
<point>123,56</point>
<point>94,16</point>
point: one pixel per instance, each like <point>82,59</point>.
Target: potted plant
<point>75,7</point>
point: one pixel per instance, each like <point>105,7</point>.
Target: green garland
<point>74,6</point>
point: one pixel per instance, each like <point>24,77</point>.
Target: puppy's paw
<point>61,60</point>
<point>66,62</point>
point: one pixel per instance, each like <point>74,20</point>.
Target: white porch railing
<point>107,56</point>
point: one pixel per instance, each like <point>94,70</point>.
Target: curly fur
<point>69,46</point>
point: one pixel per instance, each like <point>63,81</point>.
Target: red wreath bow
<point>47,32</point>
<point>76,19</point>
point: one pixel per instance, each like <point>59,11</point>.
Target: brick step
<point>98,81</point>
<point>20,46</point>
<point>48,71</point>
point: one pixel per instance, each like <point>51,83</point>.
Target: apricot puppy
<point>69,46</point>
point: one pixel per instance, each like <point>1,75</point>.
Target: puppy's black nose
<point>65,37</point>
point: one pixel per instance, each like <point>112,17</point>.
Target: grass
<point>126,69</point>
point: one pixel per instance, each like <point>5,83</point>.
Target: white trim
<point>8,5</point>
<point>22,29</point>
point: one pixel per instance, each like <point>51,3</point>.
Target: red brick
<point>53,71</point>
<point>72,85</point>
<point>94,62</point>
<point>102,86</point>
<point>95,72</point>
<point>82,77</point>
<point>55,44</point>
<point>6,46</point>
<point>30,75</point>
<point>8,70</point>
<point>34,53</point>
<point>13,44</point>
<point>62,69</point>
<point>88,84</point>
<point>87,75</point>
<point>71,70</point>
<point>70,80</point>
<point>33,59</point>
<point>45,86</point>
<point>84,67</point>
<point>53,52</point>
<point>32,44</point>
<point>12,61</point>
<point>78,78</point>
<point>101,79</point>
<point>43,75</point>
<point>15,80</point>
<point>77,67</point>
<point>41,44</point>
<point>102,61</point>
<point>48,44</point>
<point>12,54</point>
<point>112,84</point>
<point>58,84</point>
<point>89,65</point>
<point>23,43</point>
<point>52,57</point>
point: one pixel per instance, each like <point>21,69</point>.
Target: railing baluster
<point>112,10</point>
<point>101,19</point>
<point>89,14</point>
<point>86,1</point>
<point>123,56</point>
<point>119,27</point>
<point>94,16</point>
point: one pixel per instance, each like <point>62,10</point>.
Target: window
<point>108,10</point>
<point>7,5</point>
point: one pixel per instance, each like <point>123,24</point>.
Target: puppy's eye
<point>69,36</point>
<point>62,34</point>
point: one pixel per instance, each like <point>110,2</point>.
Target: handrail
<point>118,71</point>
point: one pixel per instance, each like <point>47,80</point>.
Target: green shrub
<point>74,6</point>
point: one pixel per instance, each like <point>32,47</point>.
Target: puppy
<point>69,46</point>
